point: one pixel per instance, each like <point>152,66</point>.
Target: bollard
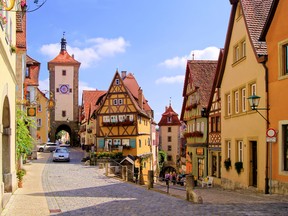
<point>106,169</point>
<point>124,170</point>
<point>150,179</point>
<point>189,187</point>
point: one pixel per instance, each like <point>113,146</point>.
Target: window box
<point>239,166</point>
<point>227,164</point>
<point>192,106</point>
<point>193,134</point>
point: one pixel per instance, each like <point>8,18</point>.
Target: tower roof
<point>173,120</point>
<point>63,56</point>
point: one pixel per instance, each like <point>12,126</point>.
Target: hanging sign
<point>31,111</point>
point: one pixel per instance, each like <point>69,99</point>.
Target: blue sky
<point>150,38</point>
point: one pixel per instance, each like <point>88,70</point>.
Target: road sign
<point>271,132</point>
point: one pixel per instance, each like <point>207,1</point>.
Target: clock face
<point>64,89</point>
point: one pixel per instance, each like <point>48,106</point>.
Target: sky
<point>152,39</point>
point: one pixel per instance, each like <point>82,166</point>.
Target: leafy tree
<point>24,141</point>
<point>162,155</point>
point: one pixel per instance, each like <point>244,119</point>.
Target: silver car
<point>47,147</point>
<point>61,154</point>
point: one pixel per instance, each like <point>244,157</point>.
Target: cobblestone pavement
<point>75,189</point>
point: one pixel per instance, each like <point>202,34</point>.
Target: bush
<point>20,174</point>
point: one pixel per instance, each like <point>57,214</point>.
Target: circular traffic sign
<point>271,132</point>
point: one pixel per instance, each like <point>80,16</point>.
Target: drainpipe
<point>263,62</point>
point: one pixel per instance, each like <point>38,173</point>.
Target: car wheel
<point>41,150</point>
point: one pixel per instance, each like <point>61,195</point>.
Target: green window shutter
<point>101,143</point>
<point>133,143</point>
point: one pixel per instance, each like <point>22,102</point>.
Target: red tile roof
<point>169,112</point>
<point>255,13</point>
<point>64,57</point>
<point>89,98</point>
<point>132,85</point>
<point>34,69</point>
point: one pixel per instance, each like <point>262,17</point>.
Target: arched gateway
<point>64,81</point>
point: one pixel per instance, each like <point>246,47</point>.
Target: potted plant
<point>227,164</point>
<point>239,166</point>
<point>20,174</point>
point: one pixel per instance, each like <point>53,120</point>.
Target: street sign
<point>271,132</point>
<point>271,139</point>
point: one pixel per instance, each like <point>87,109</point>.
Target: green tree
<point>162,157</point>
<point>24,141</point>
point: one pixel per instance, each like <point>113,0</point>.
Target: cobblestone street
<point>75,189</point>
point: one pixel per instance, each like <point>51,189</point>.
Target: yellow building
<point>242,74</point>
<point>124,123</point>
<point>42,118</point>
<point>8,181</point>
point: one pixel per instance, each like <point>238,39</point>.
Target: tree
<point>162,155</point>
<point>24,141</point>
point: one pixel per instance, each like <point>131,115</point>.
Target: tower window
<point>63,113</point>
<point>63,72</point>
<point>70,90</point>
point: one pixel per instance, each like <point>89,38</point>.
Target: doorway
<point>254,162</point>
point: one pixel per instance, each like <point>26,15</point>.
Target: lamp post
<point>254,102</point>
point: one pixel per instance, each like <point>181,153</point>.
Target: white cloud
<point>171,80</point>
<point>209,53</point>
<point>90,51</point>
<point>43,85</point>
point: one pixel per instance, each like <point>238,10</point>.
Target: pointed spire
<point>193,55</point>
<point>170,102</point>
<point>63,43</point>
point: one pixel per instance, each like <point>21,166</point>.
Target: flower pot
<point>20,184</point>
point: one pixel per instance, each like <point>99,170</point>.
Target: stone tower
<point>64,82</point>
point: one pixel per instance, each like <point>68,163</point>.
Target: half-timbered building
<point>124,122</point>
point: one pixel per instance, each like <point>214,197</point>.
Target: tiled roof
<point>89,98</point>
<point>255,14</point>
<point>169,112</point>
<point>34,69</point>
<point>64,57</point>
<point>132,85</point>
<point>202,74</point>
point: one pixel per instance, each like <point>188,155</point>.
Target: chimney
<point>166,108</point>
<point>123,74</point>
<point>140,98</point>
<point>73,56</point>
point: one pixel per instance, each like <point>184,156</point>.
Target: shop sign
<point>200,151</point>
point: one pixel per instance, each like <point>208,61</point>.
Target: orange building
<point>276,36</point>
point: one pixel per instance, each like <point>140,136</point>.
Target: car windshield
<point>61,151</point>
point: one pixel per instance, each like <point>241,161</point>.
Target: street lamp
<point>254,102</point>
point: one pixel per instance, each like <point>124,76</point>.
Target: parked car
<point>66,144</point>
<point>47,147</point>
<point>61,154</point>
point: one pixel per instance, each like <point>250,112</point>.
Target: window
<point>243,43</point>
<point>63,72</point>
<point>243,99</point>
<point>63,113</point>
<point>202,127</point>
<point>198,126</point>
<point>27,74</point>
<point>57,89</point>
<point>218,124</point>
<point>70,90</point>
<point>140,143</point>
<point>285,146</point>
<point>228,104</point>
<point>285,59</point>
<point>228,143</point>
<point>213,124</point>
<point>39,108</point>
<point>120,101</point>
<point>39,122</point>
<point>169,158</point>
<point>114,118</point>
<point>117,82</point>
<point>169,119</point>
<point>236,98</point>
<point>169,139</point>
<point>240,151</point>
<point>169,148</point>
<point>169,129</point>
<point>236,53</point>
<point>28,96</point>
<point>115,102</point>
<point>106,118</point>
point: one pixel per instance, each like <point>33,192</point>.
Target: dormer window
<point>169,119</point>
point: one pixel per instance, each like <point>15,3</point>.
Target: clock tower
<point>64,82</point>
